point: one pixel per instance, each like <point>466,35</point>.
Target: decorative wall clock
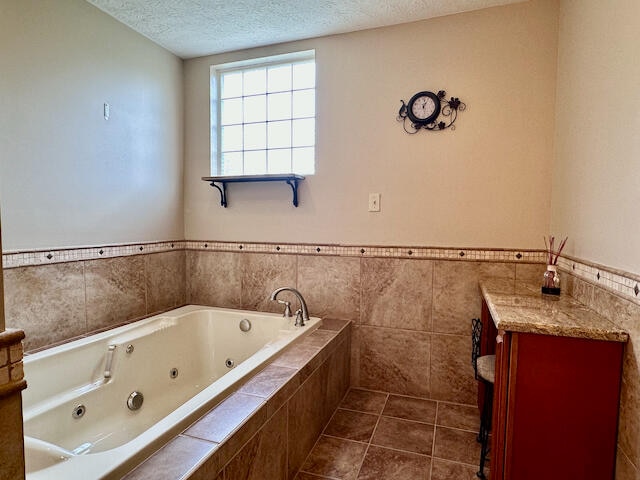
<point>424,108</point>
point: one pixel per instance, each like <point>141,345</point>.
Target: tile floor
<point>381,436</point>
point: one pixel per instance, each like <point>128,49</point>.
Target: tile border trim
<point>624,284</point>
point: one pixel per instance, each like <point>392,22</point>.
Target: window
<point>264,116</point>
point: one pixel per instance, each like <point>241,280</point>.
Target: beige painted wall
<point>484,184</point>
<point>596,178</point>
<point>67,176</point>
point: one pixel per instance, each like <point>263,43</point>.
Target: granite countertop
<point>520,307</point>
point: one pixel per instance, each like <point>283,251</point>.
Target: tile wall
<point>55,302</point>
<point>410,306</point>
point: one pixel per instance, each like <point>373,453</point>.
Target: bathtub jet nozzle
<point>109,362</point>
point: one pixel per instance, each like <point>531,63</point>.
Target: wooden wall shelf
<point>220,183</point>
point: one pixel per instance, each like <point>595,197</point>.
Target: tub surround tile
<point>395,360</point>
<point>397,293</point>
<point>444,470</point>
<point>331,286</point>
<point>335,458</point>
<point>11,437</point>
<point>383,463</point>
<point>307,418</point>
<point>625,470</point>
<point>165,280</point>
<point>456,298</point>
<point>265,383</point>
<point>115,291</point>
<point>319,338</point>
<point>262,273</point>
<point>351,425</point>
<point>364,401</point>
<point>333,324</point>
<point>404,435</point>
<point>355,355</point>
<point>417,409</point>
<point>456,445</point>
<point>47,302</point>
<point>338,376</point>
<point>465,417</point>
<point>180,455</point>
<point>452,376</point>
<point>224,419</point>
<point>300,356</point>
<point>264,456</point>
<point>214,278</point>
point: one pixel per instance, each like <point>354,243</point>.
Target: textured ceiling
<point>193,28</point>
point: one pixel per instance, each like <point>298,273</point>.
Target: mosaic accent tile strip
<point>26,258</point>
<point>624,284</point>
<point>469,254</point>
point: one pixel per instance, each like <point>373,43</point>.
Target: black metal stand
<point>220,183</point>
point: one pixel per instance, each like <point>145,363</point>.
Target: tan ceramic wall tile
<point>214,279</point>
<point>264,456</point>
<point>262,273</point>
<point>456,296</point>
<point>625,314</point>
<point>165,280</point>
<point>47,302</point>
<point>582,291</point>
<point>355,355</point>
<point>395,361</point>
<point>397,293</point>
<point>173,460</point>
<point>115,291</point>
<point>452,376</point>
<point>307,416</point>
<point>331,286</point>
<point>11,440</point>
<point>625,469</point>
<point>530,272</point>
<point>338,376</point>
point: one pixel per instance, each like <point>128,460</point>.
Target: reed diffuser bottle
<point>551,277</point>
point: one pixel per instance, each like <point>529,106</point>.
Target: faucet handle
<point>299,318</point>
<point>287,308</point>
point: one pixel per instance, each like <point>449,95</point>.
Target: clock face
<point>423,108</point>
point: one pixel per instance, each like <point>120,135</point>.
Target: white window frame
<point>216,103</point>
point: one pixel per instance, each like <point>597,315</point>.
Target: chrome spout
<point>109,363</point>
<point>304,313</point>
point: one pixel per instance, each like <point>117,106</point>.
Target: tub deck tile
<point>225,418</point>
<point>265,383</point>
<point>180,455</point>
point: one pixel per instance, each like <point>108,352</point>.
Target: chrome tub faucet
<point>302,314</point>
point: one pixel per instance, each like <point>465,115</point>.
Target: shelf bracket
<point>293,183</point>
<point>223,192</point>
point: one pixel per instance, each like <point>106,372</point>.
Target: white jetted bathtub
<point>95,407</point>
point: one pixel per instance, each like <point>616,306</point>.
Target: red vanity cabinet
<point>555,407</point>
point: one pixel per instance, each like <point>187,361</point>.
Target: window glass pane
<point>304,75</point>
<point>304,132</point>
<point>279,78</point>
<point>255,136</point>
<point>255,109</point>
<point>231,163</point>
<point>279,134</point>
<point>303,163</point>
<point>231,111</point>
<point>231,85</point>
<point>232,138</point>
<point>255,81</point>
<point>304,103</point>
<point>255,163</point>
<point>279,161</point>
<point>279,106</point>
